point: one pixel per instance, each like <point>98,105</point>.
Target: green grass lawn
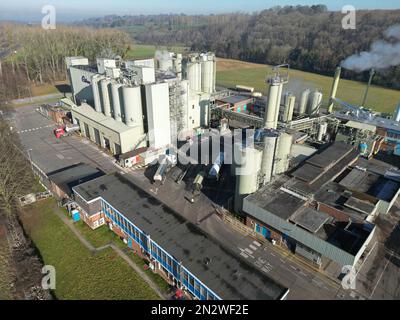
<point>379,98</point>
<point>103,236</point>
<point>141,51</point>
<point>80,274</point>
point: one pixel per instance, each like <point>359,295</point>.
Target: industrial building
<point>176,248</point>
<point>305,179</point>
<point>324,209</point>
<point>62,181</point>
<point>126,105</point>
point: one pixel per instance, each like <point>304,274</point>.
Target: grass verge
<point>80,274</point>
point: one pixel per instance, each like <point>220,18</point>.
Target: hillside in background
<point>308,38</point>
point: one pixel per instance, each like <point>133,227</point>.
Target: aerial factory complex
<point>291,170</point>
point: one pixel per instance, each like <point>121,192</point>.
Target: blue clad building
<point>176,248</point>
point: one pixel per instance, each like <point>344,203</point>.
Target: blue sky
<point>78,9</point>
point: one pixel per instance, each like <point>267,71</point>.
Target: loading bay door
<point>97,136</point>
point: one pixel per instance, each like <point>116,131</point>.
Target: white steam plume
<point>382,55</point>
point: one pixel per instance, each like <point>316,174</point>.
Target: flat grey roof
<point>360,205</point>
<point>228,275</point>
<point>310,219</point>
<point>235,99</point>
<point>69,177</point>
<point>330,155</point>
<point>87,111</point>
<point>277,202</point>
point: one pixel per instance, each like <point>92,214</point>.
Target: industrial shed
<point>63,180</point>
<point>107,132</point>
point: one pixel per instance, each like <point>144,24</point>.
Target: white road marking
<point>273,254</point>
<point>257,243</point>
<point>252,247</point>
<point>244,255</point>
<point>283,261</point>
<point>248,251</point>
<point>293,268</point>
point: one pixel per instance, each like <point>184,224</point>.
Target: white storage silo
<point>105,96</point>
<point>116,100</point>
<point>322,128</point>
<point>396,115</point>
<point>270,109</point>
<point>268,155</point>
<point>278,104</point>
<point>304,101</point>
<point>132,106</point>
<point>207,73</point>
<point>314,103</point>
<point>96,92</point>
<point>284,145</point>
<point>247,168</point>
<point>289,107</point>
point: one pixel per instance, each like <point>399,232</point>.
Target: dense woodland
<point>309,38</point>
<point>30,54</point>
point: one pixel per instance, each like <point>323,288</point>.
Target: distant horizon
<point>74,10</point>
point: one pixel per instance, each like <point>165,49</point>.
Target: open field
<point>80,274</point>
<point>232,72</point>
<point>141,51</point>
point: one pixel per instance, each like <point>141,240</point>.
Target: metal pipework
<point>335,85</point>
<point>371,75</point>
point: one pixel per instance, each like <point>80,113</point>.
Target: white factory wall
<point>198,109</point>
<point>102,64</point>
<point>126,139</point>
<point>80,81</point>
<point>158,117</point>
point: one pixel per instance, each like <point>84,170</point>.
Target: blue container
<point>75,215</point>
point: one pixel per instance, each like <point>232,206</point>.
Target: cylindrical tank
<point>132,106</point>
<point>278,104</point>
<point>322,128</point>
<point>207,73</point>
<point>270,109</point>
<point>290,100</point>
<point>96,93</point>
<point>396,116</point>
<point>198,76</point>
<point>284,145</point>
<point>116,100</point>
<point>194,75</point>
<point>268,154</point>
<point>304,101</point>
<point>314,103</point>
<point>178,65</point>
<point>105,96</point>
<point>248,165</point>
<point>198,181</point>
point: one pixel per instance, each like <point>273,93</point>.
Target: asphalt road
<point>51,154</point>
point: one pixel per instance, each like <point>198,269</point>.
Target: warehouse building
<point>176,248</point>
<point>62,181</point>
<point>325,210</point>
<point>107,132</point>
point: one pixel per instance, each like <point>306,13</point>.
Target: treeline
<point>309,38</point>
<point>30,54</point>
